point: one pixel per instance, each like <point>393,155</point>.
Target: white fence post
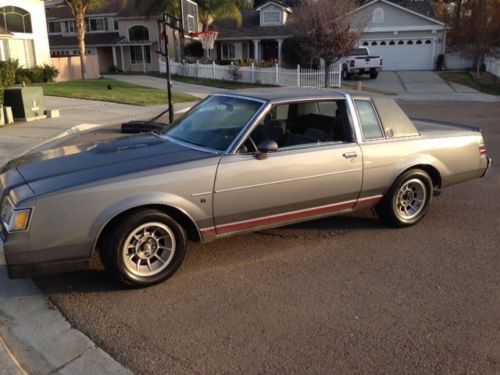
<point>213,69</point>
<point>277,74</point>
<point>253,72</point>
<point>298,75</point>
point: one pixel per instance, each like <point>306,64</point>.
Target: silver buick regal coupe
<point>236,162</point>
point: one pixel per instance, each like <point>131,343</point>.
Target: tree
<point>211,10</point>
<point>474,26</point>
<point>79,9</point>
<point>328,29</point>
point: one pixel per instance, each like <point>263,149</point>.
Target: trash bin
<point>27,102</point>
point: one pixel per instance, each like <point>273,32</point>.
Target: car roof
<point>287,93</point>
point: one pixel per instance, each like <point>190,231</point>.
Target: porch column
<point>115,62</point>
<point>256,54</point>
<point>123,58</point>
<point>143,50</point>
<point>280,44</point>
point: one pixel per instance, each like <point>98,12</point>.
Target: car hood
<point>63,167</point>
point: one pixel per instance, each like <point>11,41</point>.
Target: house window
<point>22,50</point>
<point>138,33</point>
<point>378,15</point>
<point>228,51</point>
<point>96,24</point>
<point>69,26</point>
<point>54,27</point>
<point>116,27</point>
<point>136,56</point>
<point>15,19</point>
<point>271,16</point>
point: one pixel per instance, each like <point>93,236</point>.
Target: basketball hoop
<point>207,38</point>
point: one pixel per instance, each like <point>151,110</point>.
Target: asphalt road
<point>334,296</point>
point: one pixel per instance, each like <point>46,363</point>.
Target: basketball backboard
<point>190,22</point>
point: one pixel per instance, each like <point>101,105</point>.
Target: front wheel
<point>145,248</point>
<point>407,201</point>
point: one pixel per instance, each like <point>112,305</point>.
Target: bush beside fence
<point>276,75</point>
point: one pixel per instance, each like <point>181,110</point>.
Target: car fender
<point>419,160</point>
<point>192,211</point>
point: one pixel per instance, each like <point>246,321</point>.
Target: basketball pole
<point>169,75</point>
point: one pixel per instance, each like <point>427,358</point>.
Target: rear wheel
<point>373,75</point>
<point>346,76</point>
<point>408,199</point>
<point>145,248</point>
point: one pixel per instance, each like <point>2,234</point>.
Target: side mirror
<point>265,148</point>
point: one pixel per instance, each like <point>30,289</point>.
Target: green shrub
<point>37,74</point>
<point>50,73</point>
<point>8,72</point>
<point>293,53</point>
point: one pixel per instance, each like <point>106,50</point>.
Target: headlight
<point>14,219</point>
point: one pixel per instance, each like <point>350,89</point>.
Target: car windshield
<point>215,122</point>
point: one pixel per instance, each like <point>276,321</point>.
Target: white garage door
<point>403,54</point>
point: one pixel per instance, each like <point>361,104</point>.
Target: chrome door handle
<point>350,155</point>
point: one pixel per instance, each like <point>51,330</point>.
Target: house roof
<point>97,39</point>
<point>272,2</point>
<point>118,8</point>
<point>250,27</point>
<point>422,8</point>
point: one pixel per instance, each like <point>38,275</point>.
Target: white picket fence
<point>492,65</point>
<point>276,75</point>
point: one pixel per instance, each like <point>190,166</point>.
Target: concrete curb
<point>37,339</point>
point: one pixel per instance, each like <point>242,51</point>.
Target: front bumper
<point>488,165</point>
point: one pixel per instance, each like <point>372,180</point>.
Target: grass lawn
<point>120,92</point>
<point>228,85</point>
<point>465,78</point>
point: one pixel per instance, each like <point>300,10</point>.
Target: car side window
<point>369,120</point>
<point>303,124</point>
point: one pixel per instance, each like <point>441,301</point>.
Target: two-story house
<point>119,34</point>
<point>404,32</point>
<point>23,34</point>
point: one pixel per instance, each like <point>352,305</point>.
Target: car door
<point>305,177</point>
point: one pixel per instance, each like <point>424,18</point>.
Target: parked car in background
<point>236,162</point>
<point>359,61</point>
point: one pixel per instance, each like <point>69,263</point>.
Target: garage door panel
<point>404,56</point>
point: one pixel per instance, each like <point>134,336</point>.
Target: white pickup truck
<point>359,61</point>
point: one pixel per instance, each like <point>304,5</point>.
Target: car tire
<point>407,201</point>
<point>373,75</point>
<point>346,76</point>
<point>145,248</point>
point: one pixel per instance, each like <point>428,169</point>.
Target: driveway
<point>423,85</point>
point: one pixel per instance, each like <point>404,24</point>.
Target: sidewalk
<point>161,83</point>
<point>34,336</point>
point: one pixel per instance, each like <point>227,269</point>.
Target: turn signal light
<point>20,220</point>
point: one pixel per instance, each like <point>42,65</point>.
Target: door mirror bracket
<point>265,148</point>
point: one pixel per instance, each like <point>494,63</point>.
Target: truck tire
<point>373,75</point>
<point>346,76</point>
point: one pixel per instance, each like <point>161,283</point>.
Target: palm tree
<point>79,9</point>
<point>212,10</point>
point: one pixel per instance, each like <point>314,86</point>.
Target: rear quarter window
<point>369,120</point>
